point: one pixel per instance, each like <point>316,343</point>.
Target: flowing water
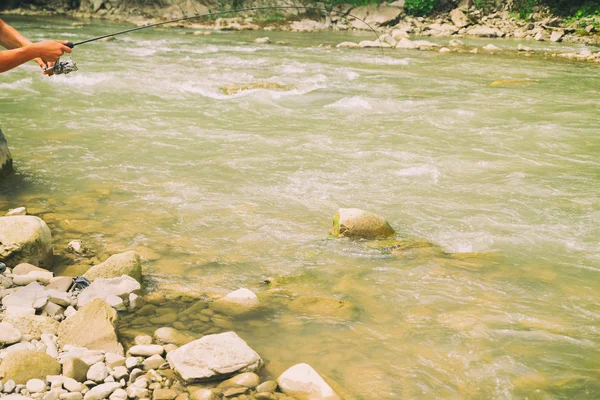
<point>156,144</point>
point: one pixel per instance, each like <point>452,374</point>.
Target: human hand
<point>50,50</point>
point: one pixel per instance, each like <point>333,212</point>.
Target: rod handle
<point>70,45</point>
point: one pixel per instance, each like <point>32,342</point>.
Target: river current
<point>223,161</point>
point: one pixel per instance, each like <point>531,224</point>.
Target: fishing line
<point>67,66</point>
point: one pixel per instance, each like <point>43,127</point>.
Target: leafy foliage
<point>419,7</point>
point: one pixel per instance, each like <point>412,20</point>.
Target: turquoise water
<point>147,147</point>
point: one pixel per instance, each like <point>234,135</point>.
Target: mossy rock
<point>23,365</point>
<point>324,307</point>
<point>359,224</point>
<point>236,88</point>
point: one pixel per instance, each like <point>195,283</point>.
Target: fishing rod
<point>64,67</point>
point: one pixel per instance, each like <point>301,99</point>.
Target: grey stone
<point>25,239</point>
<point>267,386</point>
<point>214,357</point>
<point>459,18</point>
<point>102,288</point>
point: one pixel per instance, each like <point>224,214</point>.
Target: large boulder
<point>102,288</point>
<point>485,31</point>
<point>236,303</point>
<point>33,325</point>
<point>302,382</point>
<point>25,238</point>
<point>23,365</point>
<point>5,157</point>
<point>127,263</point>
<point>214,357</point>
<point>76,330</point>
<point>356,223</point>
<point>378,15</point>
<point>459,18</point>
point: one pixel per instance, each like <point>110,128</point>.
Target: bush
<point>419,8</point>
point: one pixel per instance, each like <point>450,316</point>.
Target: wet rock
<point>233,89</point>
<point>267,386</point>
<point>246,379</point>
<point>302,382</point>
<point>23,365</point>
<point>127,263</point>
<point>214,357</point>
<point>102,288</point>
<point>25,239</point>
<point>491,47</point>
<point>203,394</point>
<point>236,303</point>
<point>459,18</point>
<point>170,335</point>
<point>485,31</point>
<point>5,157</point>
<point>356,223</point>
<point>262,40</point>
<point>33,325</point>
<point>9,334</point>
<point>324,306</point>
<point>102,391</point>
<point>79,248</point>
<point>347,44</point>
<point>445,50</point>
<point>103,337</point>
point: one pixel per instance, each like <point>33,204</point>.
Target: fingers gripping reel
<point>63,67</point>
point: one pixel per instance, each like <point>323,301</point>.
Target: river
<point>155,145</point>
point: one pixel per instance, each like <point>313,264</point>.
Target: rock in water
<point>239,302</point>
<point>304,383</point>
<point>23,365</point>
<point>127,263</point>
<point>99,315</point>
<point>25,238</point>
<point>5,157</point>
<point>325,307</point>
<point>172,336</point>
<point>356,223</point>
<point>214,357</point>
<point>102,288</point>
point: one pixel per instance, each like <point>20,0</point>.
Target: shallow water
<point>142,148</point>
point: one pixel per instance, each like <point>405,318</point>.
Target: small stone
<point>141,382</point>
<point>60,283</point>
<point>132,362</point>
<point>235,391</point>
<point>135,392</point>
<point>171,336</point>
<point>9,386</point>
<point>142,340</point>
<point>116,302</point>
<point>170,347</point>
<point>53,394</point>
<point>101,391</point>
<point>36,385</point>
<point>9,334</point>
<point>71,396</point>
<point>98,372</point>
<point>556,36</point>
<point>302,381</point>
<point>118,394</point>
<point>70,311</point>
<point>135,302</point>
<point>75,368</point>
<point>491,47</point>
<point>120,372</point>
<point>54,310</point>
<point>246,379</point>
<point>262,40</point>
<point>146,350</point>
<point>203,394</point>
<point>164,394</point>
<point>267,386</point>
<point>78,247</point>
<point>72,385</point>
<point>16,211</point>
<point>114,360</point>
<point>153,362</point>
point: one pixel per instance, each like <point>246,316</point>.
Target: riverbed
<point>222,161</point>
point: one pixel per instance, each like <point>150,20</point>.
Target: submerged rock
<point>5,157</point>
<point>25,239</point>
<point>23,365</point>
<point>99,315</point>
<point>324,306</point>
<point>236,303</point>
<point>214,357</point>
<point>302,382</point>
<point>236,88</point>
<point>127,263</point>
<point>356,223</point>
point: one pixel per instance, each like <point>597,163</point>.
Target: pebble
<point>101,391</point>
<point>120,372</point>
<point>132,362</point>
<point>36,385</point>
<point>146,350</point>
<point>164,394</point>
<point>71,396</point>
<point>9,386</point>
<point>72,385</point>
<point>114,360</point>
<point>153,362</point>
<point>118,394</point>
<point>98,372</point>
<point>267,386</point>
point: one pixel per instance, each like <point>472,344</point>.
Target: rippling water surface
<point>147,147</point>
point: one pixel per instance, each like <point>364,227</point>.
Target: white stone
<point>556,36</point>
<point>36,385</point>
<point>33,276</point>
<point>146,350</point>
<point>135,302</point>
<point>213,357</point>
<point>28,297</point>
<point>121,372</point>
<point>118,394</point>
<point>104,287</point>
<point>71,396</point>
<point>72,385</point>
<point>491,47</point>
<point>9,334</point>
<point>131,362</point>
<point>302,382</point>
<point>16,211</point>
<point>98,372</point>
<point>102,391</point>
<point>262,40</point>
<point>114,360</point>
<point>50,341</point>
<point>25,238</point>
<point>57,297</point>
<point>153,362</point>
<point>116,302</point>
<point>70,311</point>
<point>135,392</point>
<point>237,302</point>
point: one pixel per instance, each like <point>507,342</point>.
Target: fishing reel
<point>62,67</point>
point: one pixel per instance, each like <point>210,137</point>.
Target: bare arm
<point>10,38</point>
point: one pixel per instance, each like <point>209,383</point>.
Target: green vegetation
<point>419,8</point>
